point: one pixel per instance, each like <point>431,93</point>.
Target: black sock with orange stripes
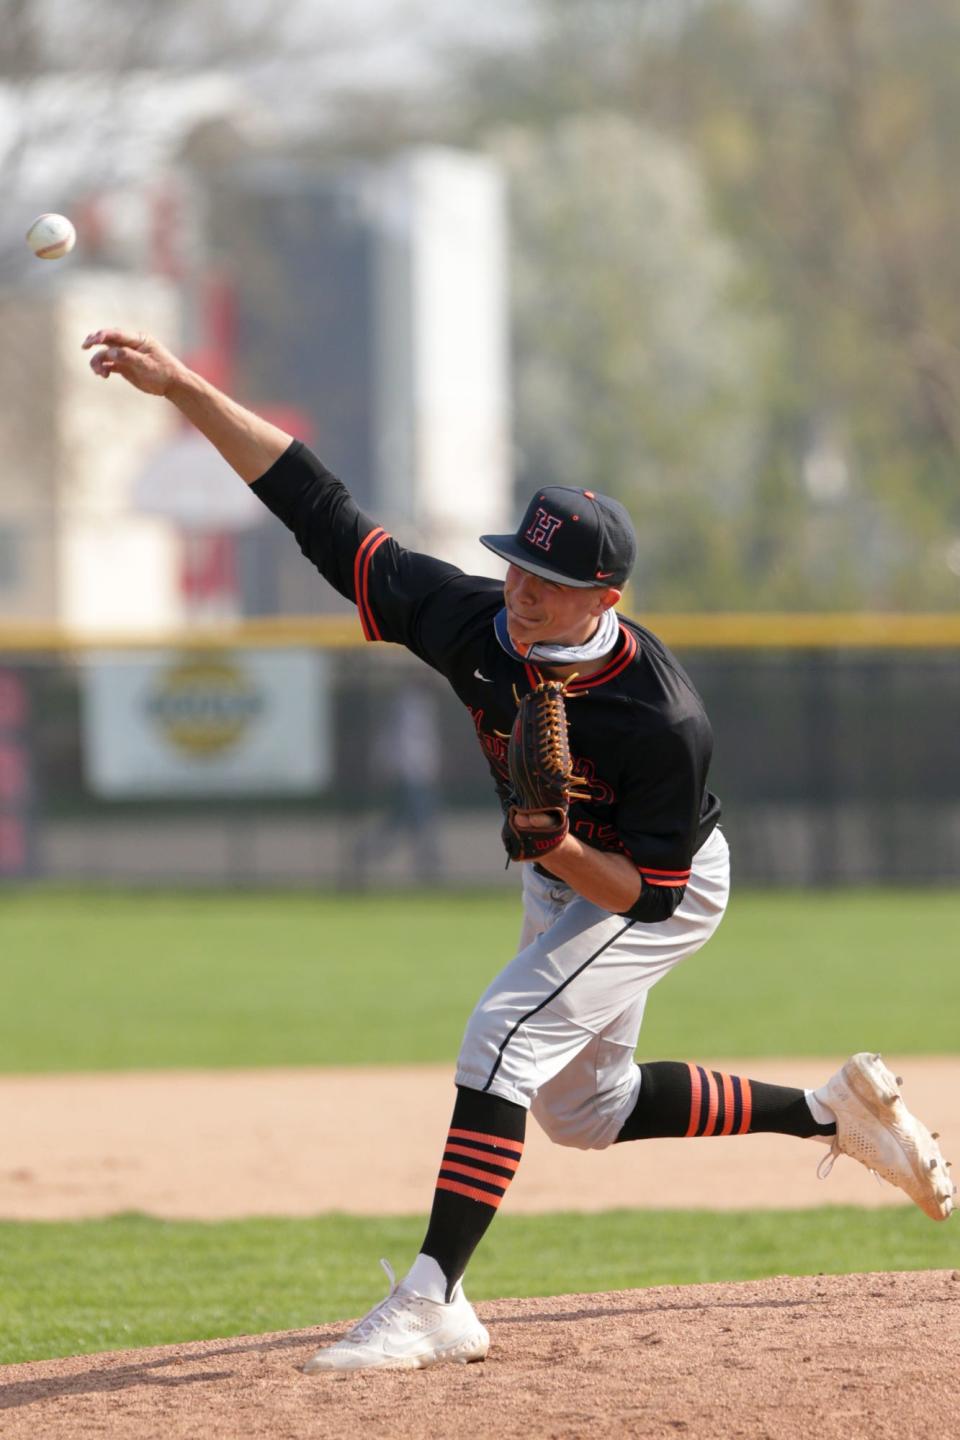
<point>682,1099</point>
<point>482,1153</point>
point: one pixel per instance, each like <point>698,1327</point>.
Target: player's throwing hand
<point>138,358</point>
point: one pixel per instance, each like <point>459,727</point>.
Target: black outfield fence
<point>209,760</point>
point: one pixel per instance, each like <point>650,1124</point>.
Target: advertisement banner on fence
<point>227,723</point>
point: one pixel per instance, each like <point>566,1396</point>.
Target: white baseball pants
<point>557,1029</point>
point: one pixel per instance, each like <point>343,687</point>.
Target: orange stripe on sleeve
<point>727,1105</point>
<point>515,1145</point>
<point>713,1103</point>
<point>358,562</point>
<point>746,1095</point>
<point>368,620</point>
<point>483,1196</point>
<point>695,1096</point>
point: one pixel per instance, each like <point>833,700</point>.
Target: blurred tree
<point>826,134</point>
<point>38,37</point>
<point>89,50</point>
<point>826,131</point>
<point>98,95</point>
<point>637,350</point>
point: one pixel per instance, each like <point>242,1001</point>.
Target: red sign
<point>16,787</point>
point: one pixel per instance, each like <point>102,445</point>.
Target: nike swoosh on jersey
<point>482,677</point>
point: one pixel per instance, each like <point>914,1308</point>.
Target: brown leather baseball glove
<point>541,774</point>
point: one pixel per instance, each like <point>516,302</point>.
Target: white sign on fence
<point>197,723</point>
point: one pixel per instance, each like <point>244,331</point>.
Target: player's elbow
<point>655,903</point>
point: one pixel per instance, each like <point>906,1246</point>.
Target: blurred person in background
<point>406,758</point>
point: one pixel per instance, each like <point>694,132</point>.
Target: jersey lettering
<point>602,837</point>
<point>600,792</point>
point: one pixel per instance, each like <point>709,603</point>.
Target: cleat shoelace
<point>381,1313</point>
<point>830,1159</point>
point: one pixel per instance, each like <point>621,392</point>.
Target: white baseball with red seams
<point>51,236</point>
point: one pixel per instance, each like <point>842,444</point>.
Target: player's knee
<point>584,1118</point>
<point>581,1128</point>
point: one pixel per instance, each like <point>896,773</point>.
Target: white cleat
<point>876,1128</point>
<point>407,1332</point>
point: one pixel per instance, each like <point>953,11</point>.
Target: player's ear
<point>608,598</point>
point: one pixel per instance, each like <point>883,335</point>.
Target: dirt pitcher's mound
<point>829,1356</point>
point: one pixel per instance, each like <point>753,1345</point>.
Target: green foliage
<point>129,1281</point>
<point>637,356</point>
<point>823,138</point>
<point>111,981</point>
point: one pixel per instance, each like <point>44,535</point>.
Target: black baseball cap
<point>573,537</point>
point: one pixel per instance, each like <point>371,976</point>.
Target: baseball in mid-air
<point>51,236</point>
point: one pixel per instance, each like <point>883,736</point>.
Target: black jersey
<point>639,736</point>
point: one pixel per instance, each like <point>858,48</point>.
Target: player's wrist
<point>565,854</point>
<point>183,385</point>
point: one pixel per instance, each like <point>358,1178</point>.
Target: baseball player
<point>624,868</point>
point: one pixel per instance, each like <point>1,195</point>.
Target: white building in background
<point>374,306</point>
<point>441,394</point>
<point>72,550</point>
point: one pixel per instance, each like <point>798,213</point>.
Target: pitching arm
<point>410,599</point>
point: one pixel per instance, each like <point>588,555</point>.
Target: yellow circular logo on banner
<point>204,705</point>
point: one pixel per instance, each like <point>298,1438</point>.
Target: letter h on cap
<point>543,529</point>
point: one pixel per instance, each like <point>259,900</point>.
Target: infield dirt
<point>836,1357</point>
<point>226,1144</point>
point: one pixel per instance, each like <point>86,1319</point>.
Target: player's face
<point>542,611</point>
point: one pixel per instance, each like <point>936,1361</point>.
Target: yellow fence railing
<point>729,631</point>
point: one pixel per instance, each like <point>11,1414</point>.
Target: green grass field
<point>110,981</point>
<point>115,1284</point>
